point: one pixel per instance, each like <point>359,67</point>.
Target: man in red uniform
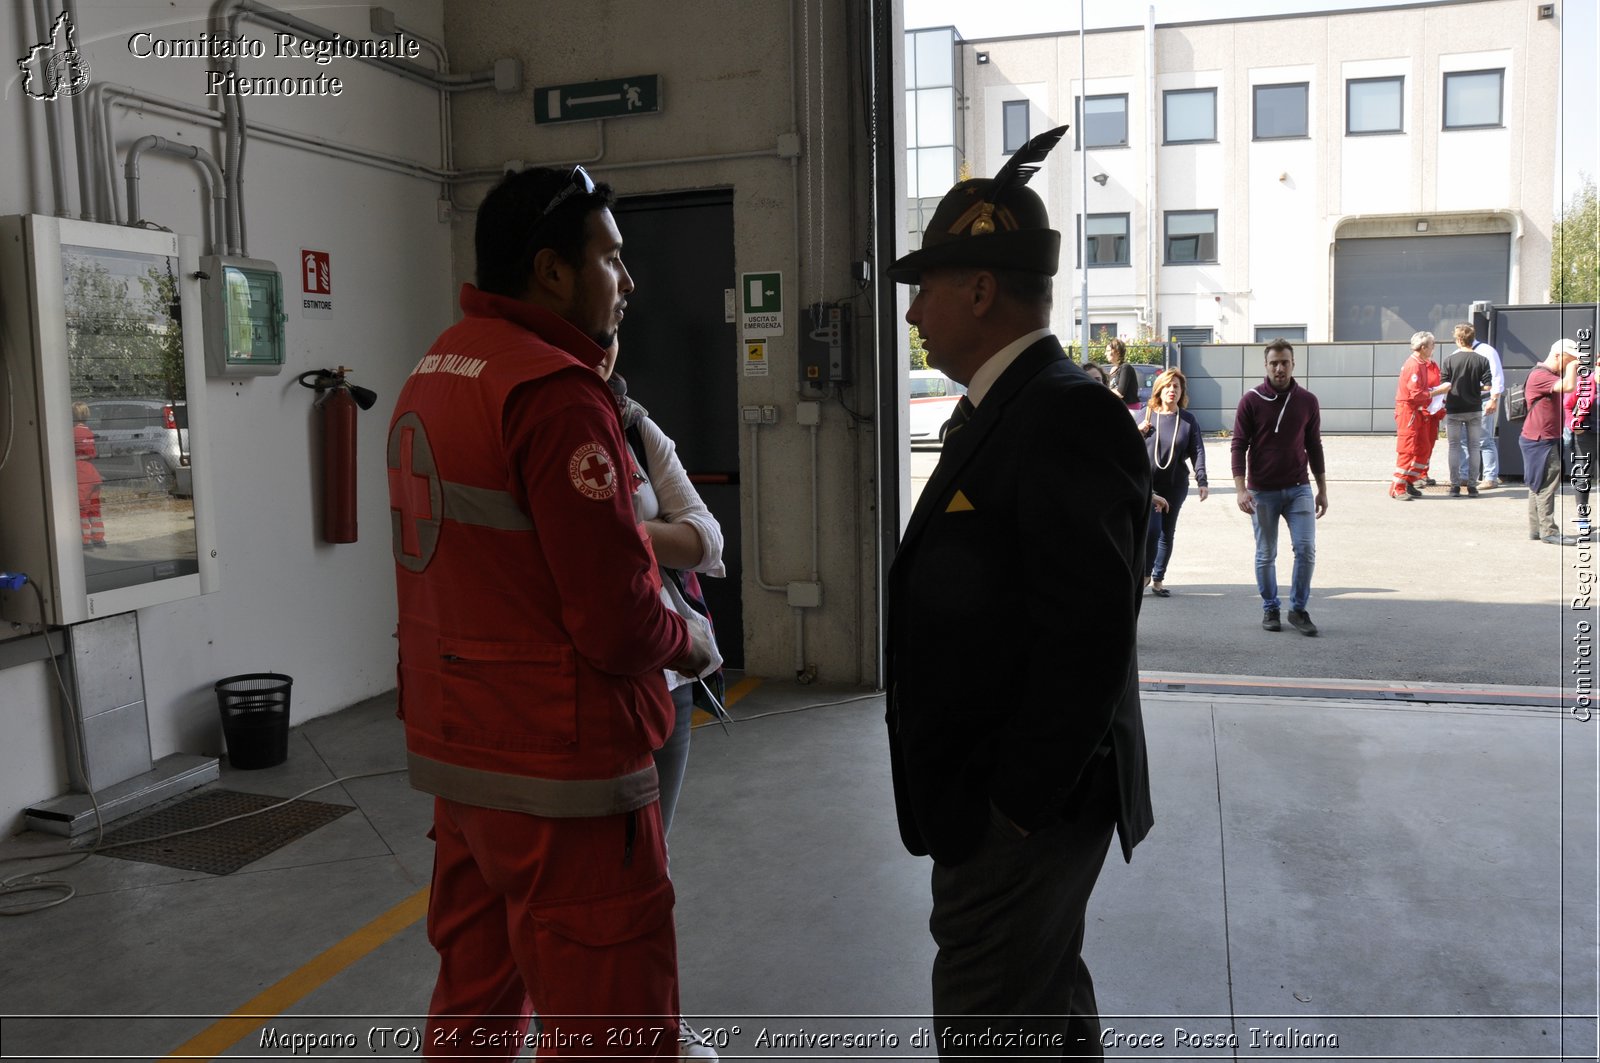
<point>94,527</point>
<point>532,642</point>
<point>1416,428</point>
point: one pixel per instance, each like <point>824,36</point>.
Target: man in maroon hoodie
<point>1277,437</point>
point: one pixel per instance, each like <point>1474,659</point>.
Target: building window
<point>1105,121</point>
<point>1191,236</point>
<point>1015,121</point>
<point>1292,333</point>
<point>1473,99</point>
<point>1280,111</point>
<point>1185,335</point>
<point>1373,105</point>
<point>1108,240</point>
<point>1190,116</point>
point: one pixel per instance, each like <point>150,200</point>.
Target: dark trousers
<point>1009,926</point>
<point>1163,530</point>
<point>1541,471</point>
<point>1582,469</point>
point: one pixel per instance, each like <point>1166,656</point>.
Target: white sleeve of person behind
<point>699,628</point>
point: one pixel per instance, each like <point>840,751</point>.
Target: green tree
<point>919,354</point>
<point>122,337</point>
<point>1575,250</point>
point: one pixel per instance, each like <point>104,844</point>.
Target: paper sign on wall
<point>755,357</point>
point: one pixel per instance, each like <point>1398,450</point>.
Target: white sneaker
<point>691,1045</point>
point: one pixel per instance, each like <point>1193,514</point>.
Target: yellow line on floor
<point>296,986</point>
<point>735,692</point>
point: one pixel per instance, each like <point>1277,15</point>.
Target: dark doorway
<point>680,359</point>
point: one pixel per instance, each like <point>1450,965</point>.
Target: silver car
<point>141,443</point>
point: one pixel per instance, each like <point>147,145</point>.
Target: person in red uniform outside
<point>532,643</point>
<point>89,517</point>
<point>1416,429</point>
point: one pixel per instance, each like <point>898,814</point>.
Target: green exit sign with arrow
<point>616,98</point>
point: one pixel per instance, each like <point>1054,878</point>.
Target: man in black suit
<point>1015,736</point>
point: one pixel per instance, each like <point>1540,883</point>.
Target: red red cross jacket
<point>532,632</point>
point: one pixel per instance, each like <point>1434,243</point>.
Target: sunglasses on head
<point>578,180</point>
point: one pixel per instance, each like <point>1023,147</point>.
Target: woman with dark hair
<point>1172,436</point>
<point>684,536</point>
<point>1120,375</point>
<point>1096,372</point>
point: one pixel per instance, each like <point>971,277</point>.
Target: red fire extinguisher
<point>338,400</point>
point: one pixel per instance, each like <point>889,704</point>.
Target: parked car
<point>1147,375</point>
<point>141,442</point>
<point>933,399</point>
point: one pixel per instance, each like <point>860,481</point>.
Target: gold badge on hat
<point>1017,171</point>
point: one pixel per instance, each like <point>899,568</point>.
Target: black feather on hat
<point>995,224</point>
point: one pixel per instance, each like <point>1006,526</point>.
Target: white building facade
<point>1341,176</point>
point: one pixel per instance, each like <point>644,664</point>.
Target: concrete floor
<point>1441,590</point>
<point>1416,880</point>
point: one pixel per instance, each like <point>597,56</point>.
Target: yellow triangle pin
<point>959,504</point>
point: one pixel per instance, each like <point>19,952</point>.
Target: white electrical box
<point>104,496</point>
<point>244,316</point>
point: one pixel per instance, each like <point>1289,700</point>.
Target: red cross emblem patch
<point>593,472</point>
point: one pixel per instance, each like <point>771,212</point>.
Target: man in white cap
<point>1541,439</point>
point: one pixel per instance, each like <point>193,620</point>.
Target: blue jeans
<point>1296,505</point>
<point>1463,433</point>
<point>1491,446</point>
<point>673,758</point>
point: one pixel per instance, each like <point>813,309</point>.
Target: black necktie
<point>958,418</point>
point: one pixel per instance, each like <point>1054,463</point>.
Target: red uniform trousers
<point>1416,433</point>
<point>568,917</point>
<point>89,517</point>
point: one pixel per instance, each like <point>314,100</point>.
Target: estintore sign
<point>616,98</point>
<point>316,284</point>
<point>761,303</point>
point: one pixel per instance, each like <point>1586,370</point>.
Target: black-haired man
<point>1277,439</point>
<point>1014,753</point>
<point>532,638</point>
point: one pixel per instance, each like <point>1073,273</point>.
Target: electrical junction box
<point>825,346</point>
<point>244,316</point>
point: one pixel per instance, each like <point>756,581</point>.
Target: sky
<point>1578,124</point>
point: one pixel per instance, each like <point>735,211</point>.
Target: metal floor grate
<point>225,849</point>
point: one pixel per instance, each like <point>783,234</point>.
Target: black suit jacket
<point>1013,610</point>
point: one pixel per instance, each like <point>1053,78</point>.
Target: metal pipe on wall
<point>1083,159</point>
<point>109,95</point>
<point>1152,181</point>
<point>229,14</point>
<point>215,184</point>
<point>52,119</point>
<point>755,511</point>
<point>81,137</point>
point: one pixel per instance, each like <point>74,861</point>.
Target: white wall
<point>726,75</point>
<point>1473,170</point>
<point>1275,235</point>
<point>1376,171</point>
<point>287,602</point>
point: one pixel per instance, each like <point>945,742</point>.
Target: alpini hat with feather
<point>993,224</point>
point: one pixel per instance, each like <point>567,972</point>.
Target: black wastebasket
<point>255,718</point>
